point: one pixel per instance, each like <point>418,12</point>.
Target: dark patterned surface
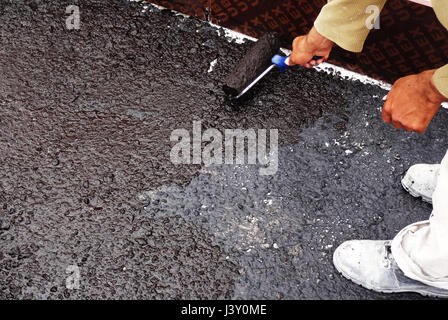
<point>85,125</point>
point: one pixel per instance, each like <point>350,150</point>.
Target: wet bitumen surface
<point>86,178</point>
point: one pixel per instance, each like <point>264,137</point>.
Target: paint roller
<point>258,61</point>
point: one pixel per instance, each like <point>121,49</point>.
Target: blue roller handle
<point>279,61</point>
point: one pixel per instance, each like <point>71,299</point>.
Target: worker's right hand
<point>304,48</point>
<point>413,101</point>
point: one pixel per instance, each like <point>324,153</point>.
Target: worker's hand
<point>412,102</point>
<point>304,48</point>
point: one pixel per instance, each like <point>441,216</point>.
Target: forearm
<point>344,22</point>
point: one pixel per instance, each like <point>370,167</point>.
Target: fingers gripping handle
<point>282,62</point>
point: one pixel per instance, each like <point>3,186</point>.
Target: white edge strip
<point>423,2</point>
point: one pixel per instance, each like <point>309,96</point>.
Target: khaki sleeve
<point>346,22</point>
<point>440,77</point>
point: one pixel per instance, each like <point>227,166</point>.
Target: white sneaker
<point>421,180</point>
<point>371,264</point>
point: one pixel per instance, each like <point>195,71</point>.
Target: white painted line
<point>347,74</point>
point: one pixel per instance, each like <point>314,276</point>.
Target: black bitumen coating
<point>86,119</point>
<point>252,64</point>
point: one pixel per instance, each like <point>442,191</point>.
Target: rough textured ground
<point>85,123</point>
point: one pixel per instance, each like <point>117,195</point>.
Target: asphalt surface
<point>86,177</point>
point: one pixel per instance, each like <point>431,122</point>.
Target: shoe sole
<point>415,194</point>
<point>423,293</point>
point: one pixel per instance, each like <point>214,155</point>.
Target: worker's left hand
<point>412,102</point>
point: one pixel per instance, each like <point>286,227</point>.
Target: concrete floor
<point>86,177</point>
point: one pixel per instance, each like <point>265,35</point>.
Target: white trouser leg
<point>421,249</point>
